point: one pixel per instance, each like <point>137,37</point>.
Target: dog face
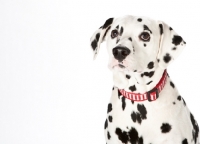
<point>137,43</point>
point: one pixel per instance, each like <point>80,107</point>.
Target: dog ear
<point>99,36</point>
<point>170,46</point>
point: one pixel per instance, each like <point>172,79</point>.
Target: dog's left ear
<point>170,46</point>
<point>99,36</point>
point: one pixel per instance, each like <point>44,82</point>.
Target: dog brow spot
<point>146,28</point>
<point>117,27</point>
<point>121,31</point>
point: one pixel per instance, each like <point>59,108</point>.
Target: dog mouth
<point>119,67</point>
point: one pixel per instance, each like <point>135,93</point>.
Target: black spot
<point>174,103</point>
<point>121,31</point>
<point>138,117</point>
<point>108,22</point>
<point>123,103</point>
<point>133,134</point>
<point>128,76</point>
<point>132,88</point>
<point>135,70</point>
<point>149,74</point>
<point>100,27</point>
<point>195,128</point>
<point>139,19</point>
<point>109,108</point>
<point>145,45</point>
<point>146,28</point>
<point>133,116</point>
<point>130,38</point>
<point>177,40</point>
<point>140,141</point>
<point>167,58</point>
<point>141,108</point>
<point>165,128</point>
<point>113,88</point>
<point>146,73</point>
<point>97,36</point>
<point>117,27</point>
<point>123,136</point>
<point>170,28</point>
<point>179,98</point>
<point>149,82</point>
<point>174,48</point>
<point>161,29</point>
<point>184,42</point>
<point>108,135</point>
<point>158,60</point>
<point>106,124</point>
<point>117,41</point>
<point>106,32</point>
<point>185,141</point>
<point>132,101</point>
<point>142,75</point>
<point>110,118</point>
<point>94,44</point>
<point>184,101</point>
<point>129,137</point>
<point>119,94</point>
<point>172,84</point>
<point>150,65</point>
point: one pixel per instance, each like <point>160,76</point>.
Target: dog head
<point>137,43</point>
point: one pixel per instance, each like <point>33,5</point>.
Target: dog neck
<point>137,82</point>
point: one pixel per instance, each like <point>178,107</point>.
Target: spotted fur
<point>164,121</point>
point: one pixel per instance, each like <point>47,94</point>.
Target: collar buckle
<point>152,94</point>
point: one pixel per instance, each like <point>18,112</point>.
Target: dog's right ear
<point>99,36</point>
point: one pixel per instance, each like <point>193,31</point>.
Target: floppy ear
<point>99,36</point>
<point>171,45</point>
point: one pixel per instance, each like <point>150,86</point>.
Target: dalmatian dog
<point>145,106</point>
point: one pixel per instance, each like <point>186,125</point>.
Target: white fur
<point>167,108</point>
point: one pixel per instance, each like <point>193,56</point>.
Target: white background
<point>51,91</point>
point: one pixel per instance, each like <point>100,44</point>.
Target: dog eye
<point>145,36</point>
<point>114,33</point>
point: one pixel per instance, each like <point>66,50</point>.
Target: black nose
<point>120,53</point>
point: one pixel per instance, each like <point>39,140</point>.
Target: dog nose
<point>120,53</point>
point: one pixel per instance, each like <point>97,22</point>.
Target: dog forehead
<point>134,22</point>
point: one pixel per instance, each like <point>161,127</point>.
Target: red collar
<point>151,95</point>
